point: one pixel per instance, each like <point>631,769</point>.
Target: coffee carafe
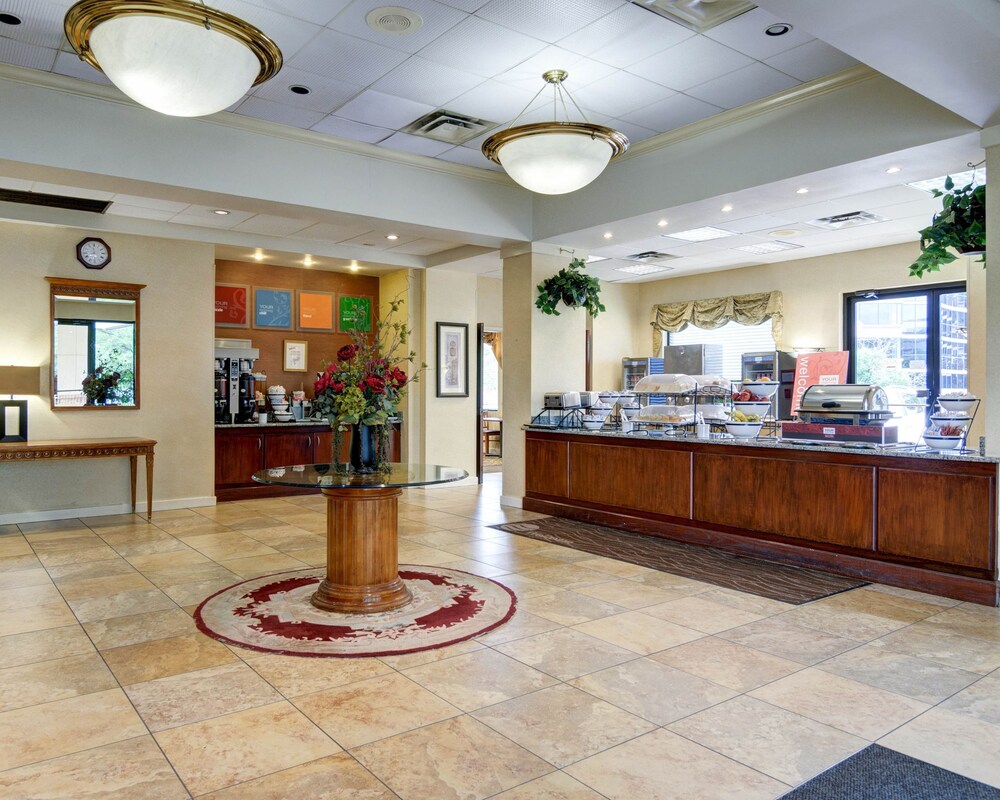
<point>222,415</point>
<point>248,393</point>
<point>235,387</point>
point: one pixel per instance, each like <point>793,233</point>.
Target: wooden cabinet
<point>548,471</point>
<point>650,479</point>
<point>282,449</point>
<point>239,453</point>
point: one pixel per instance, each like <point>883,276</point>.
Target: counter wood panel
<point>936,517</point>
<point>652,480</point>
<point>549,467</point>
<point>820,502</point>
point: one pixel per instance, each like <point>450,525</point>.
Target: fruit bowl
<point>761,388</point>
<point>744,430</point>
<point>939,442</point>
<point>283,416</point>
<point>593,424</point>
<point>941,420</point>
<point>958,402</point>
<point>749,407</point>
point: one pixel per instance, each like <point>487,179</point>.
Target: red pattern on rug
<point>273,614</point>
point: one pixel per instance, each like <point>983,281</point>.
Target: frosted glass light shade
<point>556,157</point>
<point>178,57</point>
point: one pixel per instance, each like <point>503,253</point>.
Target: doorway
<point>911,342</point>
<point>490,403</point>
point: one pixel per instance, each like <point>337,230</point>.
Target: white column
<point>991,405</point>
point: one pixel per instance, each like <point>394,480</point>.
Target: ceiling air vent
<point>698,15</point>
<point>54,201</point>
<point>449,126</point>
<point>650,257</point>
<point>850,220</point>
<point>394,20</point>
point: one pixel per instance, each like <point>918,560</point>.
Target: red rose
<point>331,368</point>
<point>337,386</point>
<point>321,385</point>
<point>376,384</point>
<point>398,376</point>
<point>347,352</point>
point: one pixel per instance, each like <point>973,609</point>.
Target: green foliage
<point>573,288</point>
<point>959,225</point>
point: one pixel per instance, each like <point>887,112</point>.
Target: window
<point>735,339</point>
<point>491,380</point>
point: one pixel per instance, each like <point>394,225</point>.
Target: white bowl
<point>940,420</point>
<point>744,430</point>
<point>761,388</point>
<point>757,407</point>
<point>942,442</point>
<point>603,413</point>
<point>608,397</point>
<point>958,402</point>
<point>593,424</point>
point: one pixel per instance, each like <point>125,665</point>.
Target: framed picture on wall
<point>232,305</point>
<point>315,310</point>
<point>296,356</point>
<point>354,313</point>
<point>452,359</point>
<point>272,309</point>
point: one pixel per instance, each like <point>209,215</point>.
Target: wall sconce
<point>14,413</point>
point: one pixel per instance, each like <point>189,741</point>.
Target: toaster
<point>562,400</point>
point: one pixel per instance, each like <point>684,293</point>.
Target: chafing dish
<point>845,404</point>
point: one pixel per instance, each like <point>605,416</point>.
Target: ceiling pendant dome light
<point>555,157</point>
<point>174,56</point>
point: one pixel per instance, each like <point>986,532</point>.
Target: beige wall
<point>489,302</point>
<point>176,351</point>
<point>615,334</point>
<point>404,286</point>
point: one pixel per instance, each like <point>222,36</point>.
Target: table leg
<point>362,556</point>
<point>149,486</point>
<point>132,468</point>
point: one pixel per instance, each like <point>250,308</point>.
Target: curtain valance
<point>746,309</point>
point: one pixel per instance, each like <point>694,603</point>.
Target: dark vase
<point>364,454</point>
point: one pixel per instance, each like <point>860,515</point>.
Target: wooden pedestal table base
<point>362,556</point>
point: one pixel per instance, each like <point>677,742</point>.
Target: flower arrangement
<point>99,384</point>
<point>366,382</point>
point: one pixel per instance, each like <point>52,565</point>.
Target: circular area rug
<point>273,614</point>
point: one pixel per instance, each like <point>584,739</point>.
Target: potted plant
<point>573,288</point>
<point>959,226</point>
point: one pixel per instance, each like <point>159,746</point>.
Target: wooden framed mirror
<point>95,344</point>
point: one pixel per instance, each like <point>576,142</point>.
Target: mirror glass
<point>94,351</point>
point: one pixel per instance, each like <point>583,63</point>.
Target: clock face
<point>93,253</point>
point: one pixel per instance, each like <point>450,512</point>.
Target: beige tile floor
<point>611,681</point>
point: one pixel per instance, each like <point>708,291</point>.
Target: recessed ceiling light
<point>392,237</point>
<point>727,208</point>
<point>662,223</point>
<point>643,269</point>
<point>763,248</point>
<point>608,235</point>
<point>784,233</point>
<point>803,190</point>
<point>958,178</point>
<point>308,260</point>
<point>355,266</point>
<point>777,29</point>
<point>10,19</point>
<point>299,89</point>
<point>893,170</point>
<point>221,212</point>
<point>705,234</point>
<point>259,255</point>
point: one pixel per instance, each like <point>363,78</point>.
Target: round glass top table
<point>362,553</point>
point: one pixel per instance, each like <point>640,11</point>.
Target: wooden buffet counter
<point>242,450</point>
<point>919,521</point>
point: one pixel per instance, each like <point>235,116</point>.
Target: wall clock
<point>93,253</point>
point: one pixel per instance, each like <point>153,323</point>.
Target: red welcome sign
<point>818,369</point>
<point>231,305</point>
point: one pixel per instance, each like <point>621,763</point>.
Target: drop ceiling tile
<point>71,191</point>
<point>377,239</point>
<point>334,231</point>
<point>383,110</point>
<point>137,212</point>
<point>745,33</point>
<point>426,82</point>
<point>620,93</point>
<point>425,247</point>
<point>582,71</point>
<point>635,133</point>
<point>760,224</point>
<point>325,94</point>
<point>319,12</point>
<point>41,22</point>
<point>415,144</point>
<point>69,64</point>
<point>351,60</point>
<point>550,20</point>
<point>17,184</point>
<point>655,35</point>
<point>481,47</point>
<point>22,54</point>
<point>811,60</point>
<point>150,202</point>
<point>270,225</point>
<point>690,63</point>
<point>209,221</point>
<point>743,86</point>
<point>349,129</point>
<point>471,157</point>
<point>494,101</point>
<point>437,18</point>
<point>674,112</point>
<point>279,112</point>
<point>288,33</point>
<point>468,6</point>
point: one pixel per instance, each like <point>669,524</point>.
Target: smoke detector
<point>447,126</point>
<point>394,20</point>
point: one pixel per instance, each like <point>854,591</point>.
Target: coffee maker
<point>235,387</point>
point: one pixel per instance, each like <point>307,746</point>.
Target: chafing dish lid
<point>844,398</point>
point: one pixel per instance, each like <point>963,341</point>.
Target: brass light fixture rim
<point>83,17</point>
<point>615,139</point>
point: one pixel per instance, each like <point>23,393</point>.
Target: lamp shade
<point>20,380</point>
<point>173,56</point>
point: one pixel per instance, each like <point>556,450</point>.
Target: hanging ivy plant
<point>573,288</point>
<point>959,226</point>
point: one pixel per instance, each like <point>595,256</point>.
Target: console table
<point>88,448</point>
